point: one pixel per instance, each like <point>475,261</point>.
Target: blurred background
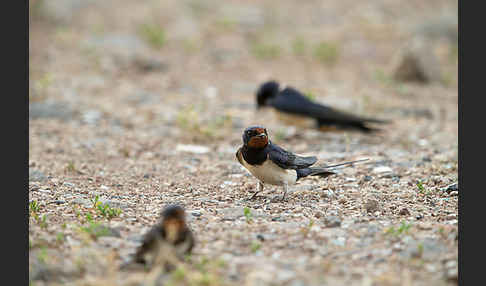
<point>146,61</point>
<point>144,102</point>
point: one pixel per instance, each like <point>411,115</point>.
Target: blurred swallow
<point>273,165</point>
<point>294,108</point>
<point>171,233</point>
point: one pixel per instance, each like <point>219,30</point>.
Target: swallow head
<point>255,137</point>
<point>173,222</point>
<point>267,90</point>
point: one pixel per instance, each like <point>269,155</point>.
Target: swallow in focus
<point>295,108</point>
<point>273,165</point>
<point>170,234</point>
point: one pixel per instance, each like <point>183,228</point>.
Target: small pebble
<point>452,188</point>
<point>404,211</point>
<point>327,194</point>
<point>332,221</point>
<point>371,206</point>
<point>196,149</point>
<point>451,216</point>
<point>382,169</point>
<point>36,175</point>
<point>424,225</point>
<point>367,178</point>
<point>196,213</point>
<point>340,241</point>
<point>451,264</point>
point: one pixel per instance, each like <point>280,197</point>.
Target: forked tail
<point>322,171</point>
<point>345,163</point>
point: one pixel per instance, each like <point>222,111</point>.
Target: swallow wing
<point>292,101</point>
<point>148,243</point>
<point>186,243</point>
<point>288,160</point>
<point>239,156</point>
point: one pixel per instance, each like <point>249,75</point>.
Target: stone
<point>425,225</point>
<point>382,169</point>
<point>196,149</point>
<point>417,63</point>
<point>36,175</point>
<point>329,194</point>
<point>371,206</point>
<point>50,109</point>
<point>367,178</point>
<point>452,275</point>
<point>196,213</point>
<point>332,221</point>
<point>340,241</point>
<point>451,188</point>
<point>451,216</point>
<point>62,11</point>
<point>146,64</point>
<point>404,211</point>
<point>53,273</point>
<point>91,116</point>
<point>228,183</point>
<point>439,26</point>
<point>451,270</point>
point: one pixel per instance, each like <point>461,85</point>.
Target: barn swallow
<point>273,165</point>
<point>295,108</point>
<point>170,233</point>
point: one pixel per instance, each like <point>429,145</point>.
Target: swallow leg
<point>286,188</point>
<point>260,188</point>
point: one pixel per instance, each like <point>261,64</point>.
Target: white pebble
<point>197,149</point>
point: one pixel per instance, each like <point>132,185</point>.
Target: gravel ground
<point>138,104</point>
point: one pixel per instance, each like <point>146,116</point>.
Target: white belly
<point>270,173</point>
